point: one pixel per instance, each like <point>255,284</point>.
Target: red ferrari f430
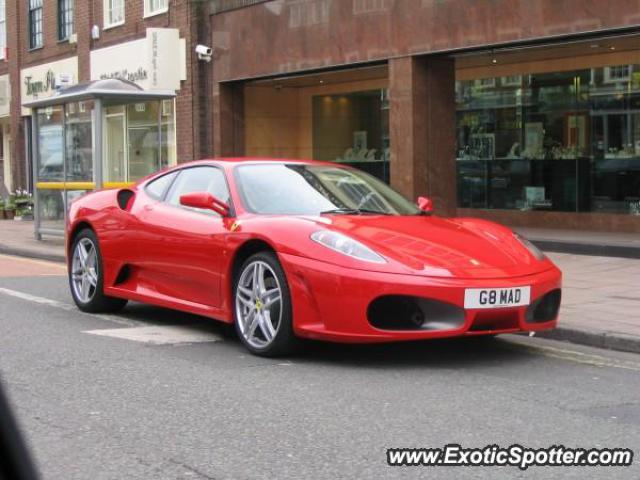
<point>287,249</point>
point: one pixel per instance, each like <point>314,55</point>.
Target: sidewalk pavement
<point>601,295</point>
<point>17,238</point>
<point>587,242</point>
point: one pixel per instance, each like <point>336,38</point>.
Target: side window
<point>199,179</point>
<point>157,187</point>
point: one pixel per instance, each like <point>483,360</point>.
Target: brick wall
<point>189,17</point>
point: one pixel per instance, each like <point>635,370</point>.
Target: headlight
<point>347,246</point>
<point>535,251</point>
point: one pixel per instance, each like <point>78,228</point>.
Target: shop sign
<point>41,81</point>
<point>136,76</point>
<point>149,62</point>
<point>36,87</point>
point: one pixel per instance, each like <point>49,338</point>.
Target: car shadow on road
<point>481,352</point>
<point>465,352</point>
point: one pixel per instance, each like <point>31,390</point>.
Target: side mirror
<point>206,201</point>
<point>425,204</point>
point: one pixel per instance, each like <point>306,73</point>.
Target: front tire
<point>86,278</point>
<point>262,301</point>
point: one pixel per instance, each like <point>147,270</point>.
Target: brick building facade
<point>527,113</point>
<point>524,112</point>
<point>92,33</point>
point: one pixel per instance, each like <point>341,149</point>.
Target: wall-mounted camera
<point>204,53</point>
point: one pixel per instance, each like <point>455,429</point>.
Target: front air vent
<point>545,309</point>
<point>403,312</point>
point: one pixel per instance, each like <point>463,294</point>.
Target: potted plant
<point>24,205</point>
<point>10,207</point>
<point>1,208</point>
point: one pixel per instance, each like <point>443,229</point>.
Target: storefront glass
<point>139,140</point>
<point>563,141</point>
<point>353,128</point>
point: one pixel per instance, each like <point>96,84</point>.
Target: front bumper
<point>331,302</point>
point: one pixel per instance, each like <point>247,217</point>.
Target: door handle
<point>148,208</point>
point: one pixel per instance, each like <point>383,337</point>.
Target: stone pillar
<point>228,119</point>
<point>422,129</point>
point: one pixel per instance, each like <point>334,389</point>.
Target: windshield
<point>298,189</point>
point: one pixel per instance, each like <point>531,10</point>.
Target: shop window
<point>353,128</point>
<point>3,29</point>
<point>35,24</point>
<point>561,141</point>
<point>145,143</point>
<point>139,140</point>
<point>65,19</point>
<point>154,7</point>
<point>113,13</point>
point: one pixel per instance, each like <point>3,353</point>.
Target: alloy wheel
<point>84,270</point>
<point>258,304</point>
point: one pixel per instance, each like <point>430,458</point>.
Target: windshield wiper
<point>353,211</point>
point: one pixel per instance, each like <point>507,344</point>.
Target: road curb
<point>591,249</point>
<point>607,340</point>
<point>23,252</point>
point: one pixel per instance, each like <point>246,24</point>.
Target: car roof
<point>240,160</point>
<point>233,161</point>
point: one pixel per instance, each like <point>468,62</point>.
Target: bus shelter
<point>101,134</point>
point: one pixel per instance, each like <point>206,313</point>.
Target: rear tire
<point>86,278</point>
<point>262,307</point>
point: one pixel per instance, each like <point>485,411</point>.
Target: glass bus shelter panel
<point>51,208</point>
<point>50,145</point>
<point>79,141</point>
<point>115,145</point>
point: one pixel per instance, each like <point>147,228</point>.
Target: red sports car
<point>289,249</point>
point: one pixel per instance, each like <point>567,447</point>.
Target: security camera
<point>204,52</point>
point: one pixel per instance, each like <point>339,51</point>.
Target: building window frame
<point>114,13</point>
<point>36,24</point>
<point>155,7</point>
<point>3,29</point>
<point>485,82</point>
<point>66,24</point>
<point>611,73</point>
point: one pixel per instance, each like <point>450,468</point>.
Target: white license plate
<point>497,297</point>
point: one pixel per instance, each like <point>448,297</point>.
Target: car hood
<point>434,246</point>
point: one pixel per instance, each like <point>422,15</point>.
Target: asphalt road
<point>155,394</point>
